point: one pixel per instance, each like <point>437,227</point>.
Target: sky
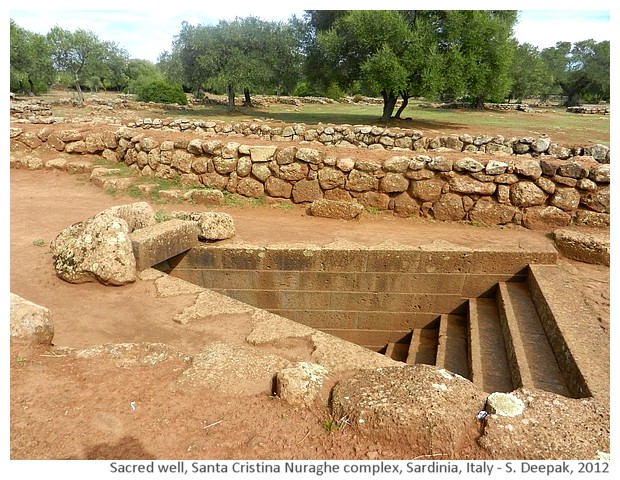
<point>146,29</point>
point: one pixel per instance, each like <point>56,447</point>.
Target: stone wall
<point>485,185</point>
<point>380,138</point>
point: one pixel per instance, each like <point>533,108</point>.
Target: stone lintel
<point>157,243</point>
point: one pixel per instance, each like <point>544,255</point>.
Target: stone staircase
<point>500,344</point>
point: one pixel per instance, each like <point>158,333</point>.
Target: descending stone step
<point>573,338</point>
<point>397,351</point>
<point>532,361</point>
<point>423,346</point>
<point>452,351</point>
<point>488,361</point>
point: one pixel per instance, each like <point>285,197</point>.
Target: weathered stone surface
<point>566,199</point>
<point>308,155</point>
<point>216,226</point>
<point>584,423</point>
<point>598,201</point>
<point>574,169</point>
<point>600,173</point>
<point>75,147</point>
<point>359,181</point>
<point>31,140</point>
<point>504,405</point>
<point>487,211</point>
<point>336,209</point>
<point>161,241</point>
<point>377,200</point>
<point>182,161</point>
<point>276,187</point>
<point>30,322</point>
<point>468,165</point>
<point>230,150</point>
<point>393,182</point>
<point>307,191</point>
<point>526,194</point>
<point>250,187</point>
<point>261,171</point>
<point>545,218</point>
<point>137,215</point>
<point>201,196</point>
<point>467,185</point>
<point>496,167</point>
<point>599,152</point>
<point>261,153</point>
<point>225,165</point>
<point>427,190</point>
<point>440,164</point>
<point>331,178</point>
<point>233,370</point>
<point>449,208</point>
<point>195,146</point>
<point>214,180</point>
<point>546,185</point>
<point>294,171</point>
<point>147,144</point>
<point>527,167</point>
<point>286,155</point>
<point>391,404</point>
<point>345,164</point>
<point>98,249</point>
<point>405,206</point>
<point>585,247</point>
<point>301,383</point>
<point>592,219</point>
<point>540,145</point>
<point>398,164</point>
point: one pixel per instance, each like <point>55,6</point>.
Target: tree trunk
<point>406,98</point>
<point>247,101</point>
<point>231,97</point>
<point>478,103</point>
<point>79,89</point>
<point>389,103</point>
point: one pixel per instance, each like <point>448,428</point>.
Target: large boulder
<point>98,249</point>
<point>429,408</point>
<point>550,427</point>
<point>30,322</point>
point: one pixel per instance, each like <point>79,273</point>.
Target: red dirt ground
<point>63,408</point>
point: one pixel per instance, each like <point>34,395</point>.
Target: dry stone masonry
<point>487,179</point>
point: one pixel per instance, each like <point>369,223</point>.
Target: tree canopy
<point>247,54</point>
<point>452,55</point>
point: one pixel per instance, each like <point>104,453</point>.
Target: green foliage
<point>31,68</point>
<point>530,75</point>
<point>334,91</point>
<point>247,54</point>
<point>88,60</point>
<point>158,90</point>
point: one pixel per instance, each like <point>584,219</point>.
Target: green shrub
<point>159,91</point>
<point>334,91</point>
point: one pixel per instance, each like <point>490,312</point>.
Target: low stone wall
<point>537,192</point>
<point>380,138</point>
<point>590,109</point>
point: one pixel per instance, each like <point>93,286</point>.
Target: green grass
<point>568,128</point>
